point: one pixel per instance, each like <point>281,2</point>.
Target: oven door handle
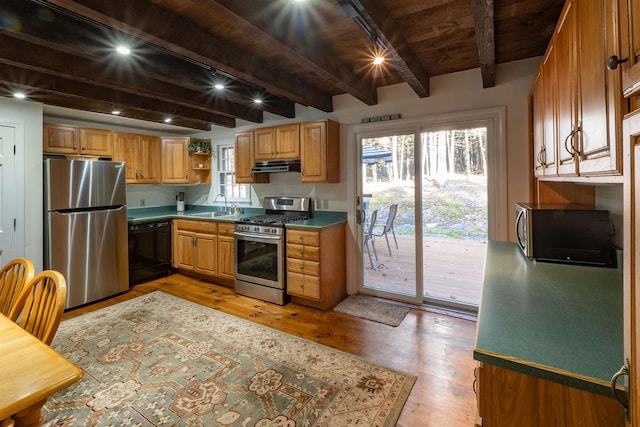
<point>257,237</point>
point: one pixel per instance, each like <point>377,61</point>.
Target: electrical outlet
<point>143,202</point>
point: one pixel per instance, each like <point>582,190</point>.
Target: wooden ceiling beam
<point>146,21</point>
<point>85,48</point>
<point>483,17</point>
<point>316,59</point>
<point>390,32</point>
<point>46,83</point>
<point>44,60</point>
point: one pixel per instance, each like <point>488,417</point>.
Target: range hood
<point>277,166</point>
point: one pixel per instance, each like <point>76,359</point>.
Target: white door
<point>8,200</point>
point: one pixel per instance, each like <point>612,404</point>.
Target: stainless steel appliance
<point>149,250</point>
<point>86,227</point>
<point>571,234</point>
<point>260,248</point>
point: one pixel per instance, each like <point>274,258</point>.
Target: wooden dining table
<point>30,372</point>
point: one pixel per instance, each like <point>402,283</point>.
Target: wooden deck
<point>452,268</point>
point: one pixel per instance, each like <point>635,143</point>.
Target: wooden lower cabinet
<point>316,267</point>
<point>511,399</point>
<point>195,246</point>
<point>226,252</point>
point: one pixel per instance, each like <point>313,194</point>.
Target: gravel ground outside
<point>454,207</point>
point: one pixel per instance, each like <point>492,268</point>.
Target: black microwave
<point>571,234</point>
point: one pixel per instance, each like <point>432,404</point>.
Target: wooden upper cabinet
<point>582,101</point>
<point>320,151</point>
<point>601,104</point>
<point>288,141</point>
<point>74,140</point>
<point>630,46</point>
<point>60,139</point>
<point>245,159</point>
<point>278,142</point>
<point>567,89</point>
<point>96,142</point>
<point>549,97</point>
<point>264,144</point>
<point>142,154</point>
<point>537,116</point>
<point>175,160</point>
<point>149,155</point>
<point>543,105</point>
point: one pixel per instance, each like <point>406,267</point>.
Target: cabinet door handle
<point>542,156</point>
<point>625,404</point>
<point>571,150</point>
<point>571,137</point>
<point>613,61</point>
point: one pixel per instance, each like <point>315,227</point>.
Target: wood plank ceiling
<point>61,52</point>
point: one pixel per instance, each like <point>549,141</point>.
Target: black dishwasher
<point>149,250</point>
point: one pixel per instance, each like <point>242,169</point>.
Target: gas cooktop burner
<point>272,219</point>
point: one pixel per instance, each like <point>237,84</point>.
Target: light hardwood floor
<point>436,348</point>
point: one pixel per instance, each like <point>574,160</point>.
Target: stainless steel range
<point>260,248</point>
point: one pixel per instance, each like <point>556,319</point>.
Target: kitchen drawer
<point>303,285</point>
<point>208,227</point>
<point>225,228</point>
<point>309,238</point>
<point>311,253</point>
<point>303,266</point>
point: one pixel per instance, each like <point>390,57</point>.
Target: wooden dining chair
<point>13,276</point>
<point>38,309</point>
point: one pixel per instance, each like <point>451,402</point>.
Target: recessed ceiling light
<point>123,50</point>
<point>219,86</point>
<point>167,120</point>
<point>257,101</point>
<point>378,60</point>
<point>19,95</point>
<point>115,111</point>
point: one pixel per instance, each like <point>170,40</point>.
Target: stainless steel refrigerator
<point>86,227</point>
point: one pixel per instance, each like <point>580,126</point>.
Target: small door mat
<point>373,309</point>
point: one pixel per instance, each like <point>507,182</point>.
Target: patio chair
<point>368,237</point>
<point>13,277</point>
<point>38,309</point>
<point>385,226</point>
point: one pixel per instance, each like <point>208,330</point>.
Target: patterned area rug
<point>372,309</point>
<point>159,360</point>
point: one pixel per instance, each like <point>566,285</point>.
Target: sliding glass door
<point>427,203</point>
<point>388,207</point>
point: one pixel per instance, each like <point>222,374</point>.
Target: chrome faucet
<point>225,201</point>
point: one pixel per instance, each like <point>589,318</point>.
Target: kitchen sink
<point>209,214</point>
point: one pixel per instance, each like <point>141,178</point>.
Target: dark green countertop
<point>138,215</point>
<point>321,219</point>
<point>558,322</point>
